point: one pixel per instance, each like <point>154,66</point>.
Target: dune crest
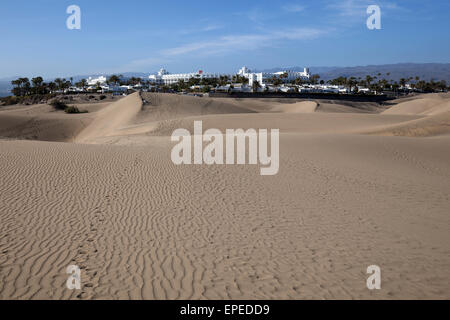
<point>423,106</point>
<point>435,118</point>
<point>111,119</point>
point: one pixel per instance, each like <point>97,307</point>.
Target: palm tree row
<point>378,84</point>
<point>24,87</point>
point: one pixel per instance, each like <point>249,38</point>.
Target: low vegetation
<point>60,105</point>
<point>27,100</point>
<point>74,109</point>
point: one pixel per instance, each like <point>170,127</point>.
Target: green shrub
<point>74,109</point>
<point>11,100</point>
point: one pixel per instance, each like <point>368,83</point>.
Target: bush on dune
<point>8,101</point>
<point>73,109</point>
<point>59,105</point>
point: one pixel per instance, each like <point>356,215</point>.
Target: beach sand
<point>358,185</point>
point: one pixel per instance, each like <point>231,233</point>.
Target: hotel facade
<point>165,78</point>
<point>263,77</point>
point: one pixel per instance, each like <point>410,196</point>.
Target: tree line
<point>378,83</point>
<point>36,86</point>
<point>24,87</point>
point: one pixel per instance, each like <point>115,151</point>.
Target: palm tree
<point>52,87</point>
<point>60,83</point>
<point>37,84</point>
<point>315,78</point>
<point>255,86</point>
<point>351,82</point>
<point>22,87</point>
<point>84,83</point>
<point>369,80</point>
<point>298,81</point>
<point>113,79</point>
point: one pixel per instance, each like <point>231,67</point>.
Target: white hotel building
<point>284,76</point>
<point>93,81</point>
<point>164,77</point>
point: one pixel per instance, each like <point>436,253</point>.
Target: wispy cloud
<point>227,44</point>
<point>211,28</point>
<point>357,8</point>
<point>245,42</point>
<point>293,8</point>
<point>207,28</point>
<point>349,8</point>
<point>257,16</point>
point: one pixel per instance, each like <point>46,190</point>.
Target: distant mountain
<point>426,71</point>
<point>315,70</point>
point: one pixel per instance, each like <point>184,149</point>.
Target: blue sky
<point>216,36</point>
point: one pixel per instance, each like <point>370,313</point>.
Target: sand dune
<point>417,107</point>
<point>44,127</point>
<point>42,122</point>
<point>112,118</point>
<point>141,227</point>
<point>435,112</point>
<point>328,107</point>
<point>159,107</point>
<point>299,107</point>
<point>433,125</point>
<point>290,123</point>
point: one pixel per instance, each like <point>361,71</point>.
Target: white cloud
<point>211,28</point>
